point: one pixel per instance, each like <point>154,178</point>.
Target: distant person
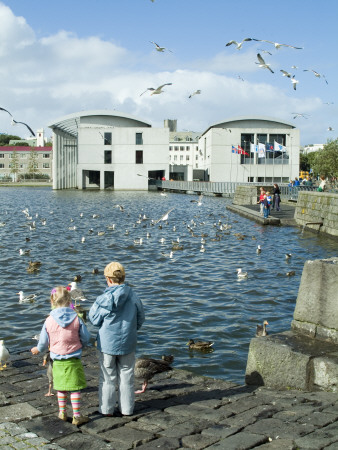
<point>269,200</point>
<point>296,183</point>
<point>266,209</point>
<point>276,197</point>
<point>119,314</point>
<point>64,333</point>
<point>261,200</point>
<point>291,184</point>
<point>322,185</point>
<point>163,178</point>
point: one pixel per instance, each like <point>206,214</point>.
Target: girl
<point>65,334</point>
<point>261,200</point>
<point>119,314</point>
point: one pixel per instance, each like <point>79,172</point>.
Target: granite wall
<point>318,207</point>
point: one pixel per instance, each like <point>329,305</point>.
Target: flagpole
<point>230,163</point>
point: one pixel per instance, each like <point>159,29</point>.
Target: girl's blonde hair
<point>60,297</point>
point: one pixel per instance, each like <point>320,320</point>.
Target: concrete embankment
<point>180,410</point>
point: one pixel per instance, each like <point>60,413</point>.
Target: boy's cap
<point>113,267</point>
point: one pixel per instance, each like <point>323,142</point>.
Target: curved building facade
<point>103,149</point>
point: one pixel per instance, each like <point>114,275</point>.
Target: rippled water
<point>193,295</point>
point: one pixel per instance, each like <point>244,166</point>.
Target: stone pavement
<point>180,410</point>
<point>284,217</point>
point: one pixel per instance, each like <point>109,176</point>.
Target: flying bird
<point>164,217</point>
<point>277,45</point>
<point>238,44</point>
<point>158,90</point>
<point>300,115</point>
<point>316,74</point>
<point>195,93</point>
<point>294,82</point>
<point>159,48</point>
<point>262,63</point>
<point>14,122</point>
<point>264,51</point>
<point>330,129</point>
<point>3,109</point>
<point>286,74</point>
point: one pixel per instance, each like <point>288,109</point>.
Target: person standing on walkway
<point>322,185</point>
<point>276,197</point>
<point>266,207</point>
<point>261,200</point>
<point>119,314</point>
<point>65,334</point>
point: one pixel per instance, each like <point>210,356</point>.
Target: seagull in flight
<point>294,82</point>
<point>195,93</point>
<point>300,115</point>
<point>277,45</point>
<point>14,122</point>
<point>264,51</point>
<point>238,44</point>
<point>263,64</point>
<point>164,217</point>
<point>318,75</point>
<point>330,129</point>
<point>159,48</point>
<point>157,90</point>
<point>286,74</point>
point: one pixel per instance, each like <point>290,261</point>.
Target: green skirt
<point>68,375</point>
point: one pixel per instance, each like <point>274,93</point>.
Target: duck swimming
<point>146,368</point>
<point>200,345</point>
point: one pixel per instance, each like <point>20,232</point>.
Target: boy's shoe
<point>80,420</point>
<point>63,416</point>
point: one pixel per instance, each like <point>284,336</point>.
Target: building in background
<point>311,148</point>
<point>103,149</point>
<point>250,149</point>
<point>40,140</point>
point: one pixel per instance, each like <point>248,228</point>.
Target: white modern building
<point>104,149</point>
<point>250,149</point>
<point>184,156</point>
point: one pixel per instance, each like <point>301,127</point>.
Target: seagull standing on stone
<point>262,63</point>
<point>160,49</point>
<point>4,355</point>
<point>238,44</point>
<point>158,90</point>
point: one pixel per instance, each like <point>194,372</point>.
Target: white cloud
<point>46,78</point>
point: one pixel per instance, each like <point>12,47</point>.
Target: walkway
<point>283,217</point>
<point>180,410</point>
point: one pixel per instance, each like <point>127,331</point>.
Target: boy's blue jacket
<point>119,314</point>
<point>64,317</point>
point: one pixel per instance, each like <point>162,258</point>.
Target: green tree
<point>5,138</point>
<point>14,164</point>
<point>326,160</point>
<point>33,162</point>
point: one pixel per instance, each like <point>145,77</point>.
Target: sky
<point>59,58</point>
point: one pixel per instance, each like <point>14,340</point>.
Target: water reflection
<point>193,295</point>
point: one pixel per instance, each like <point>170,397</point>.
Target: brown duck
<point>146,368</point>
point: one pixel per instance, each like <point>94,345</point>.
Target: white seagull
<point>159,48</point>
<point>318,75</point>
<point>238,44</point>
<point>76,293</point>
<point>258,250</point>
<point>158,90</point>
<point>164,217</point>
<point>241,274</point>
<point>300,115</point>
<point>195,93</point>
<point>24,252</point>
<point>277,45</point>
<point>294,82</point>
<point>26,299</point>
<point>262,63</point>
<point>4,355</point>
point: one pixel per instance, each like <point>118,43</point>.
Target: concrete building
<point>184,156</point>
<point>104,149</point>
<point>271,147</point>
<point>16,162</point>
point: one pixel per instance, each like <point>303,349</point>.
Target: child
<point>261,200</point>
<point>65,334</point>
<point>269,199</point>
<point>119,314</point>
<point>266,208</point>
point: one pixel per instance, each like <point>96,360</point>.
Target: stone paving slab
<point>179,410</point>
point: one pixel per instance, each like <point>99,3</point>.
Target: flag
<point>279,147</point>
<point>241,151</point>
<point>253,148</point>
<point>261,150</point>
<point>269,147</point>
<point>234,149</point>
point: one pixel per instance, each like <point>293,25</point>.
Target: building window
<point>187,157</point>
<point>45,165</point>
<point>21,166</point>
<point>176,148</point>
<point>22,155</point>
<point>2,166</point>
<point>107,138</point>
<point>181,148</point>
<point>175,157</point>
<point>139,157</point>
<point>170,147</point>
<point>196,157</point>
<point>107,156</point>
<point>10,155</point>
<point>181,158</point>
<point>46,155</point>
<point>187,148</point>
<point>139,139</point>
<point>2,155</point>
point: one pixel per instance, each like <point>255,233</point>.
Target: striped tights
<point>75,399</point>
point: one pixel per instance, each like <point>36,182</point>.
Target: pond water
<point>193,295</point>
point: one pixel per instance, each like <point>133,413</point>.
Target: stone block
<point>81,440</point>
<point>50,427</point>
<point>198,441</point>
<point>163,442</point>
<point>318,294</point>
<point>326,372</point>
<point>18,412</point>
<point>275,427</point>
<point>127,436</point>
<point>239,441</point>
